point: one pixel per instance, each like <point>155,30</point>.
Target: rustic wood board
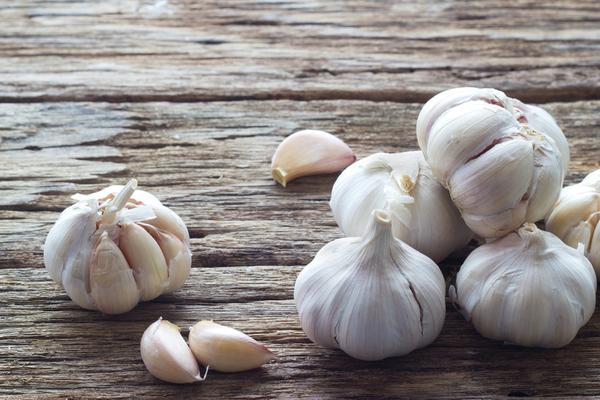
<point>192,98</point>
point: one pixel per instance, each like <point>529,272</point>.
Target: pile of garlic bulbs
<point>490,165</point>
<point>117,247</point>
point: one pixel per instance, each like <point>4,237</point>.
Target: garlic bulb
<point>309,152</point>
<point>422,212</point>
<point>527,288</point>
<point>117,247</point>
<point>166,355</point>
<point>226,349</point>
<point>373,297</point>
<point>575,217</point>
<point>503,162</point>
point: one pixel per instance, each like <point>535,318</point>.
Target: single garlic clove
<point>309,152</point>
<point>177,255</point>
<point>146,258</point>
<point>167,220</point>
<point>167,356</point>
<point>226,349</point>
<point>112,284</point>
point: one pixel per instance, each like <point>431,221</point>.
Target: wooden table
<point>192,98</point>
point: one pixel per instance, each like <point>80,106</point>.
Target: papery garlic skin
<point>166,355</point>
<point>309,152</point>
<point>527,288</point>
<point>423,215</point>
<point>372,297</point>
<point>502,161</point>
<point>226,349</point>
<point>576,215</point>
<point>117,247</point>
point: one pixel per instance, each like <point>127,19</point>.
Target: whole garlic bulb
<point>373,297</point>
<point>422,212</point>
<point>575,217</point>
<point>503,162</point>
<point>117,247</point>
<point>527,288</point>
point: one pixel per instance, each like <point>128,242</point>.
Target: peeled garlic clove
<point>167,356</point>
<point>527,288</point>
<point>309,152</point>
<point>373,297</point>
<point>480,139</point>
<point>177,256</point>
<point>112,284</point>
<point>575,217</point>
<point>146,258</point>
<point>226,349</point>
<point>423,214</point>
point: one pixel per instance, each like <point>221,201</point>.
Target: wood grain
<point>192,98</point>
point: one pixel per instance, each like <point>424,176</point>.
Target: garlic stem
<point>118,202</point>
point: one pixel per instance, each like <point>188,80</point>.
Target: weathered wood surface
<point>192,99</point>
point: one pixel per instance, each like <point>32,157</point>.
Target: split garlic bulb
<point>502,161</point>
<point>117,247</point>
<point>166,355</point>
<point>373,297</point>
<point>527,288</point>
<point>309,152</point>
<point>422,212</point>
<point>575,217</point>
<point>226,349</point>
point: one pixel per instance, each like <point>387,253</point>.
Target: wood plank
<point>181,50</point>
<point>210,163</point>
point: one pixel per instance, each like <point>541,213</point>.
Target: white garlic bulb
<point>422,212</point>
<point>117,247</point>
<point>309,152</point>
<point>166,355</point>
<point>527,288</point>
<point>575,217</point>
<point>373,297</point>
<point>226,349</point>
<point>503,162</point>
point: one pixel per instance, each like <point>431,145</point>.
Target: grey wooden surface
<point>192,98</point>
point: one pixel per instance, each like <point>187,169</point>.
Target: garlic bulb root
<point>116,247</point>
<point>422,211</point>
<point>502,161</point>
<point>373,297</point>
<point>309,152</point>
<point>166,355</point>
<point>527,288</point>
<point>576,215</point>
<point>226,349</point>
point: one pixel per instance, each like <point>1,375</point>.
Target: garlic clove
<point>146,258</point>
<point>167,220</point>
<point>177,256</point>
<point>166,355</point>
<point>594,248</point>
<point>112,284</point>
<point>309,152</point>
<point>226,349</point>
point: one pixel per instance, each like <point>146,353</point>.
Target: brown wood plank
<point>395,51</point>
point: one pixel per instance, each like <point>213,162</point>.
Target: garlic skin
<point>527,288</point>
<point>166,355</point>
<point>502,161</point>
<point>117,247</point>
<point>423,215</point>
<point>309,152</point>
<point>226,349</point>
<point>575,217</point>
<point>372,296</point>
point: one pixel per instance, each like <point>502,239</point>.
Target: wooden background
<point>192,98</point>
